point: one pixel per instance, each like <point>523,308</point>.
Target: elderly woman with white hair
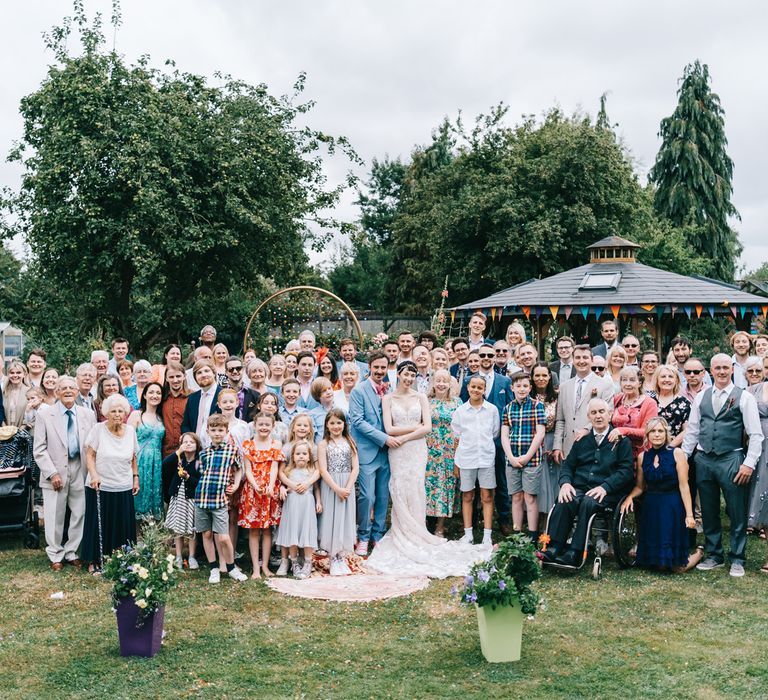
<point>350,376</point>
<point>753,370</point>
<point>111,484</point>
<point>631,410</point>
<point>142,375</point>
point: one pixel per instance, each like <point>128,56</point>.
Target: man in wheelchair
<point>595,476</point>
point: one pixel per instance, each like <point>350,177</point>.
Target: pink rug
<point>358,588</point>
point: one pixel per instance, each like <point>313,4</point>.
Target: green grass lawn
<point>631,635</point>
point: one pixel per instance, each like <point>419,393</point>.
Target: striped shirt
<point>218,465</point>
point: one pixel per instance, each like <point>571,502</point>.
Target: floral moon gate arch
<point>303,288</point>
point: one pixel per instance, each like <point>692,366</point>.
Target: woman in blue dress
<point>148,423</point>
<point>662,476</point>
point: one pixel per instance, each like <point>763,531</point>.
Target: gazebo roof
<point>622,287</point>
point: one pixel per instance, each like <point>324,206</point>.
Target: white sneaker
<point>487,540</point>
<point>362,549</point>
<point>737,570</point>
<point>335,567</point>
<point>296,568</point>
<point>307,569</point>
<point>237,575</point>
<point>179,563</point>
<point>467,539</point>
<point>282,570</point>
<point>215,576</point>
<point>192,563</point>
<point>344,569</point>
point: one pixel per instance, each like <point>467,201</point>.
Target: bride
<point>409,549</point>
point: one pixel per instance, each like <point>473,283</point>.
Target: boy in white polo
<point>475,425</point>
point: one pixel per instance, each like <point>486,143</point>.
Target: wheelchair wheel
<point>597,569</point>
<point>625,536</point>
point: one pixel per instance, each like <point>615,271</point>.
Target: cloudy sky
<point>385,73</point>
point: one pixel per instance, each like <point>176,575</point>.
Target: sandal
<point>761,534</point>
<point>764,568</point>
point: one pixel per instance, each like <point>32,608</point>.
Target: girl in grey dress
<point>339,467</point>
<point>298,522</point>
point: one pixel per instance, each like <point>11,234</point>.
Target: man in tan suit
<point>573,400</point>
<point>60,434</point>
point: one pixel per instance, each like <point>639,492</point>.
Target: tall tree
<point>149,199</point>
<point>693,173</point>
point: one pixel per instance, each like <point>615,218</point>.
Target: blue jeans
<point>373,492</point>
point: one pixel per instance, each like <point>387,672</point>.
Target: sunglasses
<point>485,354</point>
<point>501,352</point>
<point>598,369</point>
<point>631,345</point>
<point>754,371</point>
<point>693,371</point>
<point>235,369</point>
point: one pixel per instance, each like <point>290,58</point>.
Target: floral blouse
<point>676,414</point>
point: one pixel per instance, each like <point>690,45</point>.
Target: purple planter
<point>138,641</point>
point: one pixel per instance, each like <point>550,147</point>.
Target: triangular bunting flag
<point>500,311</point>
<point>755,310</point>
<point>493,314</point>
<point>598,312</point>
<point>585,311</point>
<point>659,311</point>
<point>648,307</point>
<point>733,311</point>
<point>538,310</point>
<point>687,310</point>
<point>765,311</point>
<point>615,311</point>
<point>568,311</point>
<point>527,311</point>
<point>674,309</point>
<point>553,310</point>
<point>699,309</point>
<point>711,310</point>
<point>742,310</point>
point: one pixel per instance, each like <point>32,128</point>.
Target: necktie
<point>487,385</point>
<point>579,390</point>
<point>73,449</point>
<point>717,400</point>
<point>599,439</point>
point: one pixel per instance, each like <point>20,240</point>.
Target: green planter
<point>501,632</point>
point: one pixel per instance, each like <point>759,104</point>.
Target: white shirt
<point>114,457</point>
<point>340,400</point>
<point>739,375</point>
<point>488,382</point>
<point>192,385</point>
<point>206,402</point>
<point>476,429</point>
<point>750,415</point>
<point>476,344</point>
<point>565,371</point>
<point>599,437</point>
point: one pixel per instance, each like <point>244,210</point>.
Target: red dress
<point>631,420</point>
<point>260,510</point>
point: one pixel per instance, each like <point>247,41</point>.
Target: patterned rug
<point>357,588</point>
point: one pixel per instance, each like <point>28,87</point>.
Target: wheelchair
<point>608,529</point>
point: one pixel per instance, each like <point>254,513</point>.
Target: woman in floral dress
<point>440,482</point>
<point>544,392</point>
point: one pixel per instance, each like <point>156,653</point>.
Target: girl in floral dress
<point>260,499</point>
<point>544,392</point>
<point>440,482</point>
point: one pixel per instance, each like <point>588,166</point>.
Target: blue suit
<point>501,394</point>
<point>366,426</point>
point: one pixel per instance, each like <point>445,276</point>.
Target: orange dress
<point>260,510</point>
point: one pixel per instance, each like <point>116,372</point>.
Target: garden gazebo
<point>614,285</point>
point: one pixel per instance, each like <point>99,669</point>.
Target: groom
<point>367,428</point>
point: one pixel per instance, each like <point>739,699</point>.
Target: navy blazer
<point>192,410</point>
<point>588,466</point>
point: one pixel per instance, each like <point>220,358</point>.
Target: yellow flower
<point>165,576</point>
<point>141,603</point>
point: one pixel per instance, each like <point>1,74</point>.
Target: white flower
<point>141,603</point>
<point>165,576</point>
<point>170,568</point>
<point>143,573</point>
<point>133,592</point>
<point>148,592</point>
<point>170,558</point>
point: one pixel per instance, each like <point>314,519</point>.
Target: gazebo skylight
<point>601,280</point>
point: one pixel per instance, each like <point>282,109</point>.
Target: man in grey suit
<point>59,448</point>
<point>86,378</point>
<point>573,400</point>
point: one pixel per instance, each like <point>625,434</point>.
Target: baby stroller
<point>17,472</point>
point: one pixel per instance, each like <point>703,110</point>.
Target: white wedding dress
<point>408,548</point>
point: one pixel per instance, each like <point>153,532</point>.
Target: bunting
<point>598,312</point>
<point>527,311</point>
<point>765,311</point>
<point>648,307</point>
<point>699,309</point>
<point>553,310</point>
<point>493,314</point>
<point>674,310</point>
<point>733,311</point>
<point>659,311</point>
<point>615,311</point>
<point>569,309</point>
<point>500,312</point>
<point>742,311</point>
<point>585,312</point>
<point>711,310</point>
<point>687,310</point>
<point>453,315</point>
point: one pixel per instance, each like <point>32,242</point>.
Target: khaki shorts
<point>216,519</point>
<point>484,477</point>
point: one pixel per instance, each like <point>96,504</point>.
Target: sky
<point>384,74</point>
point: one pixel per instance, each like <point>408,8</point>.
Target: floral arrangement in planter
<point>143,572</point>
<point>505,578</point>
